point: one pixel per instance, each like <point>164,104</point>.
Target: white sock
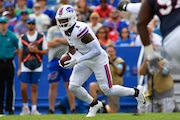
<point>133,7</point>
<point>25,105</point>
<point>34,107</point>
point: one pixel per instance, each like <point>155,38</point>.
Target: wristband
<point>164,71</point>
<point>120,66</point>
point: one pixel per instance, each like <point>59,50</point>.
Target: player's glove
<point>70,63</point>
<point>59,61</point>
<point>122,5</point>
<point>153,57</point>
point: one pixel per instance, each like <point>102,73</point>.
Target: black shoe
<point>11,112</point>
<point>1,112</point>
<point>61,108</point>
<point>73,111</point>
<point>104,110</point>
<point>50,111</point>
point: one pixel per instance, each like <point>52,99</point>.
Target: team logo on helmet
<point>70,9</point>
<point>60,11</point>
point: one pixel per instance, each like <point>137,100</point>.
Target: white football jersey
<point>79,31</point>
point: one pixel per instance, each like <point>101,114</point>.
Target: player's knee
<point>105,90</point>
<point>72,88</point>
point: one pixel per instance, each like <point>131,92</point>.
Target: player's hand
<point>152,57</point>
<point>122,5</point>
<point>70,63</point>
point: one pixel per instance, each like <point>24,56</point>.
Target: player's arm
<point>93,45</point>
<point>125,5</point>
<point>144,17</point>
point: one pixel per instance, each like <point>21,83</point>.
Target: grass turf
<point>118,116</point>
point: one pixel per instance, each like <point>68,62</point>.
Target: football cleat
<point>93,110</point>
<point>140,97</point>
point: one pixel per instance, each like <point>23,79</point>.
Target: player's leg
<point>104,79</point>
<point>103,76</point>
<point>79,75</point>
<point>171,44</point>
<point>71,98</point>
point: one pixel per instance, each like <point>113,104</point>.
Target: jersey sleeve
<point>82,30</point>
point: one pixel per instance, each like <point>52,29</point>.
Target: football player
<point>168,12</point>
<point>87,57</point>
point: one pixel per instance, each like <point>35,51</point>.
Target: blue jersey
<point>168,12</point>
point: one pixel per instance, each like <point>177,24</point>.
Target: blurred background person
<point>80,17</point>
<point>84,9</point>
<point>32,47</point>
<point>57,47</point>
<point>94,22</point>
<point>42,20</point>
<point>92,3</point>
<point>117,67</point>
<point>11,15</point>
<point>8,47</point>
<point>51,13</point>
<point>125,39</point>
<point>103,38</point>
<point>21,26</point>
<point>156,39</point>
<point>103,9</point>
<point>1,7</point>
<point>114,3</point>
<point>160,91</point>
<point>115,23</point>
<point>62,2</point>
<point>21,5</point>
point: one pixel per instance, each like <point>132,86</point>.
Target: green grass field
<point>119,116</point>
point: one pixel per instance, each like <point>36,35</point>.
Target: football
<point>64,58</point>
<point>34,44</point>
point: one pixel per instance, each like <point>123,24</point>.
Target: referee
<point>8,47</point>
